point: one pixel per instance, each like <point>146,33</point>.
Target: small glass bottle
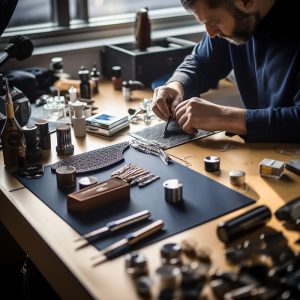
<point>85,88</point>
<point>12,136</point>
<point>117,78</point>
<point>95,77</point>
<point>57,66</point>
<point>142,29</point>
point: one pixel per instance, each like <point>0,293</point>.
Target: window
<point>99,8</point>
<point>43,11</point>
<point>31,12</point>
<point>55,22</point>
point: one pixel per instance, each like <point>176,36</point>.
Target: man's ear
<point>245,4</point>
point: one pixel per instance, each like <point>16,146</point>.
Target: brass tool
<point>130,239</point>
<point>113,226</point>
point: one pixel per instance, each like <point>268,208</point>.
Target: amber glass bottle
<point>12,137</point>
<point>142,29</point>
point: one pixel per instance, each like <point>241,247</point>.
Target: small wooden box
<point>101,194</point>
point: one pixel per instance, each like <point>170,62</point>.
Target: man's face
<point>230,23</point>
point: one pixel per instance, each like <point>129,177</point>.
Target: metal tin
<point>212,164</point>
<point>173,191</point>
<point>237,177</point>
<point>87,181</point>
<point>66,177</point>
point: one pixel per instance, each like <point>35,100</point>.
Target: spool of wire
<point>212,164</point>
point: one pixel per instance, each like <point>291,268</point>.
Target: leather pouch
<point>102,194</point>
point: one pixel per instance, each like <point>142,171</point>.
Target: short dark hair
<point>188,4</point>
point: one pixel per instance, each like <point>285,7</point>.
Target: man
<point>260,41</point>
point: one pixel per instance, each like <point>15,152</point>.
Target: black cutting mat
<point>204,200</point>
<point>175,135</point>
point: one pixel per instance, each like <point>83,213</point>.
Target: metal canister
<point>43,134</point>
<point>173,191</point>
<point>66,177</point>
<point>64,140</point>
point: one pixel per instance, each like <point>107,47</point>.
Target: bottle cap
<point>116,71</point>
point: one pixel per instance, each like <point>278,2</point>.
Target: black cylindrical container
<point>43,134</point>
<point>229,230</point>
<point>64,140</point>
<point>212,164</point>
<point>33,151</point>
<point>85,88</point>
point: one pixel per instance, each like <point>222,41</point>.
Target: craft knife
<point>129,239</point>
<point>114,226</point>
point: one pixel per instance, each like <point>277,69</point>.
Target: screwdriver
<point>129,239</point>
<point>113,226</point>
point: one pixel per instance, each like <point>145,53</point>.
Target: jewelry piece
<point>150,148</point>
<point>151,179</point>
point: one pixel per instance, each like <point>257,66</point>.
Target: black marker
<point>229,230</point>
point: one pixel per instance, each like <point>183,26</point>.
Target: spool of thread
<point>229,230</point>
<point>237,177</point>
<point>87,181</point>
<point>173,191</point>
<point>43,134</point>
<point>211,164</point>
<point>64,140</point>
<point>66,177</point>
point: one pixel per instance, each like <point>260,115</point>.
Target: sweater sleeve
<point>204,67</point>
<point>274,124</point>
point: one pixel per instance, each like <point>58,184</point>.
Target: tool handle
<point>144,232</point>
<point>115,225</point>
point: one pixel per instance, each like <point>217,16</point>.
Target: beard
<point>245,25</point>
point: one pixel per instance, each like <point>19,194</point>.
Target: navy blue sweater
<point>267,70</point>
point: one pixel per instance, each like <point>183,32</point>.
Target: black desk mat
<point>204,200</point>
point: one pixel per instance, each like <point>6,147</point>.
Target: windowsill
<point>189,31</point>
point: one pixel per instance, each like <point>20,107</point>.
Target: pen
<point>114,226</point>
<point>129,239</point>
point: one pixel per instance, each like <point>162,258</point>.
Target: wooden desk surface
<point>49,241</point>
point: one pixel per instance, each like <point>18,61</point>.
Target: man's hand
<point>166,98</point>
<point>197,113</point>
